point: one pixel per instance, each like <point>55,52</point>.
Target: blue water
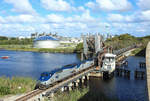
<point>32,64</point>
<point>121,88</point>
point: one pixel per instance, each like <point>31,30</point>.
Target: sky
<point>73,17</point>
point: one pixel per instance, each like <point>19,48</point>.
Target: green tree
<point>79,47</point>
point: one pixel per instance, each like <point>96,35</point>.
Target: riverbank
<point>73,95</point>
<point>45,50</point>
<point>15,85</point>
<point>29,48</point>
<point>139,52</point>
<point>81,94</point>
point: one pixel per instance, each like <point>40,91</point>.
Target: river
<point>31,64</point>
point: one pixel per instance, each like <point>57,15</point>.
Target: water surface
<point>31,64</point>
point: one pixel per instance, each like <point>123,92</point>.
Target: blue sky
<point>73,17</point>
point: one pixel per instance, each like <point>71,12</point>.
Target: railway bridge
<point>67,84</point>
<point>80,77</point>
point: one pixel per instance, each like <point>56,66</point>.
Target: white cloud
<point>21,6</point>
<point>60,5</point>
<point>53,18</point>
<point>144,4</point>
<point>90,4</point>
<point>16,29</point>
<point>56,5</point>
<point>2,20</point>
<point>22,19</point>
<point>110,5</point>
<point>44,27</point>
<point>76,25</point>
<point>81,8</point>
<point>145,15</point>
<point>121,18</point>
<point>84,18</point>
<point>115,18</point>
<point>138,22</point>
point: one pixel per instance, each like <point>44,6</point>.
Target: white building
<point>46,42</point>
<point>21,37</point>
<point>71,40</point>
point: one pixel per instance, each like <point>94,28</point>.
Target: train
<point>48,79</point>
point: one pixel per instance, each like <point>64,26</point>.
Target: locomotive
<point>47,79</point>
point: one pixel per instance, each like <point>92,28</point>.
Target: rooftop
<point>109,55</point>
<point>45,38</point>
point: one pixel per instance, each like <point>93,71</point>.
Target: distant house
<point>70,40</point>
<point>21,37</point>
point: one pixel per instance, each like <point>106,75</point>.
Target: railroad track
<point>38,91</point>
<point>29,95</point>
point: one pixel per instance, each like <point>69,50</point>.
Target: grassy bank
<point>29,48</point>
<point>74,95</point>
<point>15,85</point>
<point>83,94</point>
<point>134,52</point>
<point>141,52</point>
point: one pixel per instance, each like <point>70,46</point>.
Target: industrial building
<point>46,42</point>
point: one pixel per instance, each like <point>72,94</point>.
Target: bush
<point>4,90</point>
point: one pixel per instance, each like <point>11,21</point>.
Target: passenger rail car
<point>47,79</point>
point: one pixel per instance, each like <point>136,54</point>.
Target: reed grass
<point>74,95</point>
<point>82,94</point>
<point>16,85</point>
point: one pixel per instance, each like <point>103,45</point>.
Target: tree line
<point>124,40</point>
<point>15,41</point>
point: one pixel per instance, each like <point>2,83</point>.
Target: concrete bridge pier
<point>65,88</point>
<point>126,64</point>
<point>142,65</point>
<point>62,89</point>
<point>51,95</point>
<point>70,86</point>
<point>82,79</point>
<point>139,74</point>
<point>87,76</point>
<point>77,83</point>
<point>127,73</point>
